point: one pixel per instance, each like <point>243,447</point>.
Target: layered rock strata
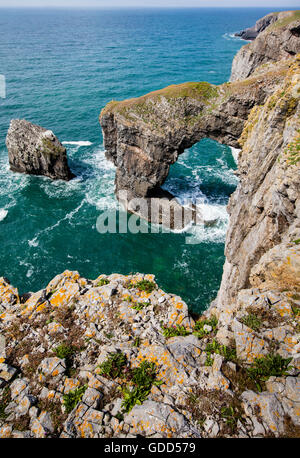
<point>252,32</point>
<point>280,40</point>
<point>36,151</point>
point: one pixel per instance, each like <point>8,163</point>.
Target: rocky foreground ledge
<point>119,357</point>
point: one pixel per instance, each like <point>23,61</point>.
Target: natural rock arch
<point>144,136</point>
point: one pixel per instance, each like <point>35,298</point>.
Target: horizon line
<point>288,8</point>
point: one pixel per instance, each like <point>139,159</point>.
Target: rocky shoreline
<point>119,357</point>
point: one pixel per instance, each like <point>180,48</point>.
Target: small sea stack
<point>36,151</point>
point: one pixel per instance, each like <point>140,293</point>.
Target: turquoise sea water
<point>61,68</point>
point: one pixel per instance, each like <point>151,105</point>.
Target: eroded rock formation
<point>36,151</point>
<point>252,32</point>
<point>280,40</point>
<point>264,210</point>
<point>144,136</point>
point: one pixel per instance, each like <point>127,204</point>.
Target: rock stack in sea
<point>36,151</point>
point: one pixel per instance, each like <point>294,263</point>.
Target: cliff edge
<point>279,40</point>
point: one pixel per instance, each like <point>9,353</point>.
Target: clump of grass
<point>102,282</point>
<point>143,285</point>
<point>231,415</point>
<point>139,306</point>
<point>229,353</point>
<point>199,330</point>
<point>114,366</point>
<point>297,242</point>
<point>296,310</point>
<point>174,331</point>
<point>4,401</point>
<point>64,351</point>
<point>267,366</point>
<point>143,378</point>
<point>137,342</point>
<point>252,321</point>
<point>71,399</point>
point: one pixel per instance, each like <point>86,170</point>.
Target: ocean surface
<point>61,68</point>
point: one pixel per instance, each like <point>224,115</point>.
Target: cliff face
<point>252,32</point>
<point>36,151</point>
<point>280,40</point>
<point>264,210</point>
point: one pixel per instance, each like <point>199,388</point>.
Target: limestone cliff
<point>252,32</point>
<point>280,40</point>
<point>264,210</point>
<point>36,151</point>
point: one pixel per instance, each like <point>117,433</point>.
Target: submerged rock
<point>36,151</point>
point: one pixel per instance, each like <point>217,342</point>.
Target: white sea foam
<point>3,214</point>
<point>214,233</point>
<point>33,243</point>
<point>232,37</point>
<point>81,143</point>
<point>235,153</point>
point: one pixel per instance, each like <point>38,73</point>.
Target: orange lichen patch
<point>37,429</point>
<point>5,432</point>
<point>268,334</point>
<point>41,307</point>
<point>283,309</point>
<point>90,334</point>
<point>289,343</point>
<point>143,294</point>
<point>31,303</point>
<point>92,297</point>
<point>149,277</point>
<point>86,429</point>
<point>93,382</point>
<point>167,366</point>
<point>2,360</point>
<point>64,294</point>
<point>53,328</point>
<point>249,346</point>
<point>8,292</point>
<point>60,280</point>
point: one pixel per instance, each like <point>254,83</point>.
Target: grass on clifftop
<point>195,90</point>
<point>294,16</point>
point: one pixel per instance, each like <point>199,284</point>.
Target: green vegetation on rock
<point>114,365</point>
<point>229,353</point>
<point>72,398</point>
<point>174,331</point>
<point>142,379</point>
<point>252,321</point>
<point>143,285</point>
<point>267,366</point>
